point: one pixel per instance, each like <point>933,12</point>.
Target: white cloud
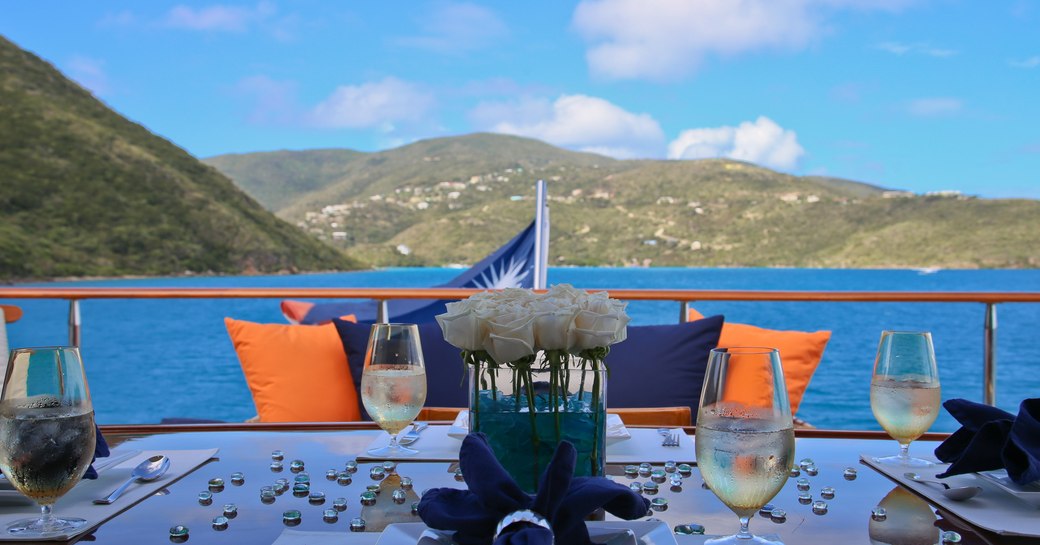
<point>457,27</point>
<point>218,17</point>
<point>1031,62</point>
<point>90,73</point>
<point>577,122</point>
<point>898,48</point>
<point>762,142</point>
<point>666,39</point>
<point>378,104</point>
<point>934,107</point>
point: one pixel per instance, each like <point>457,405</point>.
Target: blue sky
<point>923,95</point>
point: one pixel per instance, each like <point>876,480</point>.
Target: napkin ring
<point>523,515</point>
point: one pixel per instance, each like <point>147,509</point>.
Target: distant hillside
<point>87,192</point>
<point>452,200</point>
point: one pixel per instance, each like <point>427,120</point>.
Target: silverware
<point>413,434</point>
<point>671,440</point>
<point>955,493</point>
<point>148,470</point>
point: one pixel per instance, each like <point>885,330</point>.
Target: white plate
<point>616,430</point>
<point>604,533</point>
<point>1029,493</point>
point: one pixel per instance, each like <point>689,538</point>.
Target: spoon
<point>955,493</point>
<point>148,470</point>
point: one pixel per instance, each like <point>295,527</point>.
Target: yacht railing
<point>682,297</point>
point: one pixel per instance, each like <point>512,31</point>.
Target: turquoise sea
<point>148,359</point>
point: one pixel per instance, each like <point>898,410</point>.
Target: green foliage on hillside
<point>88,193</point>
<point>453,200</point>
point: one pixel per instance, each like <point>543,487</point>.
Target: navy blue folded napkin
<point>100,451</point>
<point>562,499</point>
<point>990,438</point>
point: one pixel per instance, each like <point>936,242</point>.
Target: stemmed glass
<point>393,384</point>
<point>745,434</point>
<point>904,391</point>
<point>46,432</point>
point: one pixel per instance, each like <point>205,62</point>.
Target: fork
<point>671,440</point>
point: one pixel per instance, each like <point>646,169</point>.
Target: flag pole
<point>541,237</point>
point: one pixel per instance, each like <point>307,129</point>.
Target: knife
<point>413,434</point>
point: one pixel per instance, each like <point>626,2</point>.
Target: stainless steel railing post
<point>383,314</point>
<point>74,323</point>
<point>989,356</point>
<point>684,312</point>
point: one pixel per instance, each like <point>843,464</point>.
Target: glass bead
<point>689,529</point>
<point>827,493</point>
<point>812,471</point>
<point>330,475</point>
<point>296,466</point>
<point>950,536</point>
<point>458,475</point>
<point>819,507</point>
<point>330,515</point>
<point>316,498</point>
<point>368,498</point>
<point>631,471</point>
<point>399,496</point>
<point>377,473</point>
<point>281,488</point>
<point>636,486</point>
<point>766,509</point>
<point>804,498</point>
<point>849,474</point>
<point>644,469</point>
<point>351,466</point>
<point>178,534</point>
<point>281,480</point>
<point>357,524</point>
<point>415,508</point>
<point>292,517</point>
<point>659,504</point>
<point>650,488</point>
<point>406,483</point>
<point>669,466</point>
<point>267,495</point>
<point>205,498</point>
<point>878,513</point>
<point>343,478</point>
<point>802,484</point>
<point>238,479</point>
<point>277,455</point>
<point>302,478</point>
<point>339,504</point>
<point>373,488</point>
<point>658,476</point>
<point>795,472</point>
<point>676,483</point>
<point>216,484</point>
<point>301,490</point>
<point>230,510</point>
<point>220,523</point>
<point>684,469</point>
<point>276,466</point>
<point>806,462</point>
<point>778,515</point>
<point>390,467</point>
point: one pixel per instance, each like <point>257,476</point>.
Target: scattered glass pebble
<point>230,510</point>
<point>644,469</point>
<point>373,488</point>
<point>281,488</point>
<point>390,467</point>
<point>220,523</point>
<point>636,486</point>
<point>806,462</point>
<point>238,479</point>
<point>179,534</point>
<point>292,517</point>
<point>276,466</point>
<point>343,478</point>
<point>819,507</point>
<point>458,475</point>
<point>684,469</point>
<point>302,478</point>
<point>357,524</point>
<point>267,494</point>
<point>689,529</point>
<point>676,483</point>
<point>659,504</point>
<point>281,480</point>
<point>812,471</point>
<point>301,490</point>
<point>650,488</point>
<point>658,476</point>
<point>950,536</point>
<point>330,515</point>
<point>795,472</point>
<point>766,509</point>
<point>205,498</point>
<point>631,471</point>
<point>296,466</point>
<point>368,498</point>
<point>849,474</point>
<point>406,483</point>
<point>669,466</point>
<point>778,515</point>
<point>399,496</point>
<point>415,508</point>
<point>878,513</point>
<point>827,493</point>
<point>351,466</point>
<point>216,484</point>
<point>377,473</point>
<point>802,484</point>
<point>339,504</point>
<point>277,455</point>
<point>804,498</point>
<point>331,474</point>
<point>316,498</point>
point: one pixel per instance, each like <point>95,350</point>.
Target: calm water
<point>147,359</point>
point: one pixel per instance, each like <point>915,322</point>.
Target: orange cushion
<point>800,354</point>
<point>296,373</point>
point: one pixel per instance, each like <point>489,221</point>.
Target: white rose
<point>461,326</point>
<point>510,341</point>
<point>552,329</point>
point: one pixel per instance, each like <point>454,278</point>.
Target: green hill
<point>88,193</point>
<point>452,200</point>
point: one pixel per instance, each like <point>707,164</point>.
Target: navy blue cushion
<point>662,365</point>
<point>446,379</point>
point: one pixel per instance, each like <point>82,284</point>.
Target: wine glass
<point>904,391</point>
<point>393,383</point>
<point>46,432</point>
<point>745,433</point>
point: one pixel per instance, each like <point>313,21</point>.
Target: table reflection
<point>909,520</point>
